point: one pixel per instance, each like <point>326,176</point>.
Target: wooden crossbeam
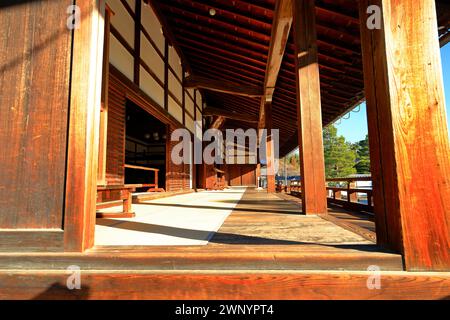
<point>280,32</point>
<point>218,123</point>
<point>281,27</point>
<point>198,82</point>
<point>211,111</point>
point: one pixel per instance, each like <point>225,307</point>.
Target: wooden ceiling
<point>233,45</point>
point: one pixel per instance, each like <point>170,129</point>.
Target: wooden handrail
<point>129,166</point>
<point>152,186</point>
<point>349,179</point>
<point>351,202</point>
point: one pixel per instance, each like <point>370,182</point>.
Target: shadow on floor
<point>236,209</point>
<point>218,237</point>
<point>57,291</point>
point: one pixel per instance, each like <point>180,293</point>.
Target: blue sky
<point>355,128</point>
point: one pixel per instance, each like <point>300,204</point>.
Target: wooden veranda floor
<point>273,219</point>
<point>265,250</point>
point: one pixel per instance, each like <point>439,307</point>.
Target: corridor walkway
<point>231,217</point>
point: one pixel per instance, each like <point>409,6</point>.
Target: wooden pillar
<point>312,164</point>
<point>270,148</point>
<point>103,136</point>
<point>409,145</point>
<point>83,139</point>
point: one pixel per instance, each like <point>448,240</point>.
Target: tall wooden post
<point>103,135</point>
<point>83,139</point>
<point>270,148</point>
<point>409,145</point>
<point>309,109</point>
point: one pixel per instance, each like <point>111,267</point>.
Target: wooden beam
<point>83,140</point>
<point>222,86</point>
<point>444,40</point>
<point>218,123</point>
<point>410,155</point>
<point>212,111</point>
<point>281,26</point>
<point>312,162</point>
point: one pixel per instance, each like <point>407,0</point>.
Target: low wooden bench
<point>126,196</point>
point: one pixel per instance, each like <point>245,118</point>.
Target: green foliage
<point>340,155</point>
<point>363,157</point>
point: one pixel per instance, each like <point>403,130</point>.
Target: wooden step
<point>252,285</point>
<point>226,257</point>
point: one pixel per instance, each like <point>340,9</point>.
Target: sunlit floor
<point>230,217</point>
<point>188,219</point>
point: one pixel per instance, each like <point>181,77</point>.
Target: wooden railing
<point>347,196</point>
<point>152,186</point>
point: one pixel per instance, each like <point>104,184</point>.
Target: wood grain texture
<point>84,123</point>
<point>309,111</point>
<point>211,257</point>
<point>32,241</point>
<point>241,175</point>
<point>408,132</point>
<point>266,219</point>
<point>223,286</point>
<point>34,93</point>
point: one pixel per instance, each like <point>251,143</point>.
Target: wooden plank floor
<point>360,223</point>
<point>267,219</point>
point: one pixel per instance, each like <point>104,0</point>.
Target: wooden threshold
<point>41,285</point>
<point>229,258</point>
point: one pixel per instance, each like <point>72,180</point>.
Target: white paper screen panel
<point>151,24</point>
<point>190,124</point>
<point>189,105</point>
<point>132,4</point>
<point>175,110</point>
<point>175,86</point>
<point>199,100</point>
<point>151,87</point>
<point>120,58</point>
<point>151,58</point>
<point>199,115</point>
<point>175,62</point>
<point>122,21</point>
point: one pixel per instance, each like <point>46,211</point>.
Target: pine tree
<point>363,157</point>
<point>340,156</point>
